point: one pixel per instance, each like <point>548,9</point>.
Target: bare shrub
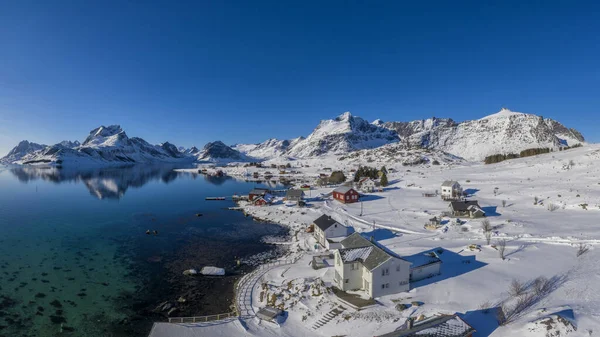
<point>582,249</point>
<point>501,246</point>
<point>487,230</point>
<point>485,307</point>
<point>553,207</point>
<point>488,237</point>
<point>535,200</point>
<point>516,288</point>
<point>503,203</point>
<point>540,286</point>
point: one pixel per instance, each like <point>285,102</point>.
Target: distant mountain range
<point>502,132</point>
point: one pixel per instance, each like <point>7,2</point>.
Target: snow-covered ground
<point>545,207</point>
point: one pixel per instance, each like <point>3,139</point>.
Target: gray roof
<point>463,205</point>
<point>449,183</point>
<point>372,259</point>
<point>268,313</point>
<point>324,222</point>
<point>294,193</point>
<point>440,326</point>
<point>423,259</point>
<point>343,189</point>
<point>259,191</point>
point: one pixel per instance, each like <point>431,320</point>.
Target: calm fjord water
<point>75,259</point>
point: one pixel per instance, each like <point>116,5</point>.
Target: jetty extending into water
<point>215,198</point>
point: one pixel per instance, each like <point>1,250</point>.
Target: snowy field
<point>546,208</point>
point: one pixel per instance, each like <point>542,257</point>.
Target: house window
<point>397,268</point>
<point>347,280</point>
<point>347,197</point>
<point>385,272</point>
<point>383,286</point>
<point>335,225</point>
<point>355,266</point>
<point>387,285</point>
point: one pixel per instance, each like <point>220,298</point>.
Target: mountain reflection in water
<point>108,182</point>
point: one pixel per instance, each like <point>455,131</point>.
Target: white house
<point>363,265</point>
<point>366,185</point>
<point>328,232</point>
<point>451,190</point>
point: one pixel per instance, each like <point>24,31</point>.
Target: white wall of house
<point>424,272</point>
<point>451,191</point>
<point>334,231</point>
<point>391,277</point>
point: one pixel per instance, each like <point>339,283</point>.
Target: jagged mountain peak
<point>219,151</point>
<point>346,116</point>
<point>112,135</point>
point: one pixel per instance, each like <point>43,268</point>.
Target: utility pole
<point>361,208</point>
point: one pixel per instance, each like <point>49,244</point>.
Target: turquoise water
<point>74,256</point>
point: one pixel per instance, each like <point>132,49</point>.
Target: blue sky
<point>244,71</point>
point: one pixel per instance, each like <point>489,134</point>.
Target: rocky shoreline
<point>166,292</point>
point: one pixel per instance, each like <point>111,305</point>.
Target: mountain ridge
<point>503,132</point>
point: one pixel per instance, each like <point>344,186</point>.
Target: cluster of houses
<point>459,207</point>
<point>363,264</point>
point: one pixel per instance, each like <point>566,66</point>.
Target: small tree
<point>384,180</point>
<point>535,200</point>
<point>384,170</point>
<point>583,248</point>
<point>288,165</point>
<point>503,203</point>
<point>501,246</point>
<point>337,177</point>
<point>487,230</point>
<point>516,288</point>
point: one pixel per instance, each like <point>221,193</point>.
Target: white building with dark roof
<point>329,232</point>
<point>451,190</point>
<point>363,264</point>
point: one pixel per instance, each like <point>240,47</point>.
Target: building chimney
<point>409,323</point>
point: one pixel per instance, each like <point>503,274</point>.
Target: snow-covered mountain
<point>500,133</point>
<point>271,148</point>
<point>104,145</point>
<point>24,148</point>
<point>219,152</point>
<point>344,134</point>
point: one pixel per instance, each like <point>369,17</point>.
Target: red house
<point>260,201</point>
<point>345,194</point>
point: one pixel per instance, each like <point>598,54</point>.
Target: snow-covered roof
<point>422,259</point>
<point>343,189</point>
<point>373,257</point>
<point>355,254</point>
<point>440,326</point>
<point>449,183</point>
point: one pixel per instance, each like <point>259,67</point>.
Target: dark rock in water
<point>40,295</point>
<point>70,278</point>
<point>105,284</point>
<point>44,274</point>
<point>57,319</point>
<point>58,312</point>
<point>68,328</point>
<point>39,314</point>
<point>40,308</point>
<point>45,281</point>
<point>56,304</point>
<point>6,302</point>
<point>3,327</point>
<point>82,294</point>
<point>34,279</point>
